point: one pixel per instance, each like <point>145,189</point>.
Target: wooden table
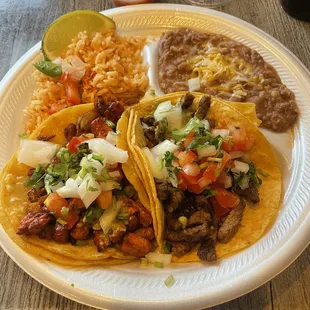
<point>22,23</point>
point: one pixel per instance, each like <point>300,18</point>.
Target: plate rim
<point>296,243</point>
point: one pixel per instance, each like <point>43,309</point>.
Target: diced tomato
<point>239,135</point>
<point>225,160</point>
<point>226,199</point>
<point>219,211</point>
<point>203,182</point>
<point>76,203</point>
<point>75,142</point>
<point>182,181</point>
<point>60,207</point>
<point>195,188</point>
<point>71,89</point>
<point>187,157</point>
<point>211,172</point>
<point>56,107</point>
<point>189,138</point>
<point>189,179</point>
<point>227,145</point>
<point>244,146</point>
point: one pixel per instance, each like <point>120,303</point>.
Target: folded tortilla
<point>14,200</point>
<point>256,219</point>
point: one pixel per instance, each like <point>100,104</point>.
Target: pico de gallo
<point>78,193</point>
<point>202,174</point>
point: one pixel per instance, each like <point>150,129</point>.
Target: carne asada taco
<point>70,193</point>
<point>214,176</point>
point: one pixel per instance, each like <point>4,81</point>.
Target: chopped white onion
<point>154,257</point>
<point>220,132</point>
<point>194,84</point>
<point>36,152</point>
<point>89,190</point>
<point>70,190</point>
<point>236,154</point>
<point>240,167</point>
<point>89,162</point>
<point>111,153</point>
<point>108,217</point>
<point>109,185</point>
<point>191,169</point>
<point>156,171</point>
<point>205,151</point>
<point>55,187</point>
<point>161,148</point>
<point>76,70</point>
<point>172,113</point>
<point>111,137</point>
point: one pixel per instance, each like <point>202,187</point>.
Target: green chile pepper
<point>48,68</point>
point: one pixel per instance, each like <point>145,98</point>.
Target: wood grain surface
<point>22,23</point>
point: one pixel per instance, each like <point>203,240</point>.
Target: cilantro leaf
<point>37,178</point>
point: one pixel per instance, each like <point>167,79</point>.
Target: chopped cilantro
<point>72,284</point>
<point>167,247</point>
<point>37,178</point>
<point>168,158</point>
<point>110,124</point>
<point>92,214</point>
<point>152,92</point>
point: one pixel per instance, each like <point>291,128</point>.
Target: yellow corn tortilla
<point>14,200</point>
<point>256,219</point>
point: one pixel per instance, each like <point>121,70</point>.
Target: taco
<point>70,194</point>
<point>215,179</point>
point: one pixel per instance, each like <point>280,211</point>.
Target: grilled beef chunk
<point>34,222</point>
<point>186,208</point>
<point>181,248</point>
<point>212,123</point>
<point>202,203</point>
<point>80,231</point>
<point>162,191</point>
<point>46,138</point>
<point>149,120</point>
<point>146,232</point>
<point>145,217</point>
<point>118,231</point>
<point>133,222</point>
<point>187,100</point>
<point>198,218</point>
<point>47,232</point>
<point>206,250</point>
<point>99,127</point>
<point>149,133</point>
<point>231,223</point>
<point>100,105</point>
<point>176,198</point>
<point>194,234</point>
<point>203,107</point>
<point>161,130</point>
<point>33,195</point>
<point>70,132</point>
<point>250,193</point>
<point>60,233</point>
<point>136,245</point>
<point>114,112</point>
<point>101,240</point>
<point>173,223</point>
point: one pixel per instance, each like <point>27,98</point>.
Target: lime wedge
<point>60,33</point>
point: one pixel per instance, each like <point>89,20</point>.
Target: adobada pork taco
<point>70,193</point>
<point>214,176</point>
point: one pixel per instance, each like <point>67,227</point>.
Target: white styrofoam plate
<point>197,285</point>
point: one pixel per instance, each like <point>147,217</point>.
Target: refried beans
<point>228,70</point>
